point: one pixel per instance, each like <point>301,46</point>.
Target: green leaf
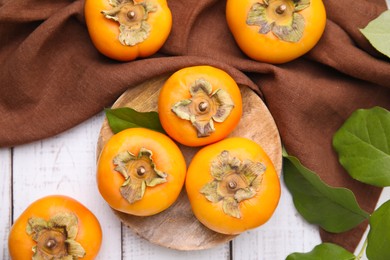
<point>363,145</point>
<point>379,235</point>
<point>125,117</point>
<point>334,209</point>
<point>322,252</point>
<point>378,34</point>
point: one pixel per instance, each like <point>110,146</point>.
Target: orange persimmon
<point>140,172</point>
<point>232,186</point>
<point>55,226</point>
<point>128,29</point>
<point>276,31</point>
<point>199,105</point>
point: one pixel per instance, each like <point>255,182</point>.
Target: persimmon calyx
<point>55,238</point>
<point>139,172</point>
<point>234,181</point>
<point>132,17</point>
<point>282,17</point>
<point>204,107</point>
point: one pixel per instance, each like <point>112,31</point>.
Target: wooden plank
<point>385,195</point>
<point>136,248</point>
<point>286,232</point>
<point>66,164</point>
<point>5,200</point>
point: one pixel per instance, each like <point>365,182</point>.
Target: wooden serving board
<point>177,227</point>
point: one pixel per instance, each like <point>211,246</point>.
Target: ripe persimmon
<point>55,227</point>
<point>127,29</point>
<point>232,186</point>
<point>140,172</point>
<point>199,105</point>
<point>276,31</point>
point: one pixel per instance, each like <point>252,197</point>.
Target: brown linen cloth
<point>52,77</point>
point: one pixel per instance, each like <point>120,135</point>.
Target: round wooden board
<point>177,227</point>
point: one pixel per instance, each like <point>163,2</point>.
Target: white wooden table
<point>65,164</point>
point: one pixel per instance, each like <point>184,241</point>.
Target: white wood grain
<point>286,232</point>
<point>5,200</point>
<point>66,164</point>
<point>135,248</point>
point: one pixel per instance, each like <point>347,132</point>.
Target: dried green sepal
<point>201,86</point>
<point>292,32</point>
<point>56,237</point>
<point>131,37</point>
<point>251,171</point>
<point>204,107</point>
<point>257,182</point>
<point>139,172</point>
<point>302,4</point>
<point>222,164</point>
<point>132,191</point>
<point>145,153</point>
<point>154,182</point>
<point>234,181</point>
<point>181,109</point>
<point>279,16</point>
<point>67,220</point>
<point>224,105</point>
<point>68,257</point>
<point>257,16</point>
<point>204,128</point>
<point>210,191</point>
<point>115,2</point>
<point>35,225</point>
<point>231,207</point>
<point>121,161</point>
<point>244,194</point>
<point>75,249</point>
<point>132,17</point>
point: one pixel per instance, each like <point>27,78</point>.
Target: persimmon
<point>199,105</point>
<point>127,29</point>
<point>276,31</point>
<point>232,186</point>
<point>55,227</point>
<point>140,172</point>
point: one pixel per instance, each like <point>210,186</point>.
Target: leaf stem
<point>360,255</point>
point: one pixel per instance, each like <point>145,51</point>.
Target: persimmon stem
<point>203,106</point>
<point>51,243</point>
<point>131,15</point>
<point>281,9</point>
<point>232,185</point>
<point>141,171</point>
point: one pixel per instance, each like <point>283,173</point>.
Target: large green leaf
<point>334,209</point>
<point>125,117</point>
<point>323,251</point>
<point>378,247</point>
<point>363,145</point>
<point>378,34</point>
